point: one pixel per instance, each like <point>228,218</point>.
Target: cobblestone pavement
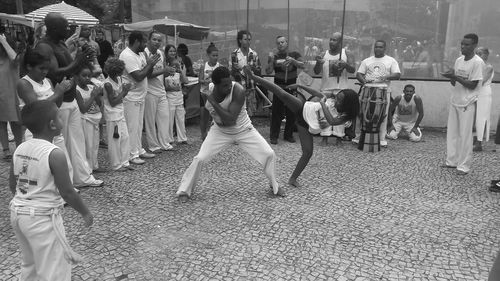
<point>393,215</point>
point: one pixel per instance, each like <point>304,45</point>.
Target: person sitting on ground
<point>41,183</point>
<point>312,116</point>
<point>231,125</point>
<point>408,113</point>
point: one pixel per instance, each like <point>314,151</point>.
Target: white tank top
<point>243,122</point>
<point>113,113</point>
<point>43,91</point>
<point>35,183</point>
<point>94,113</point>
<point>207,73</point>
<point>406,111</point>
<point>329,82</point>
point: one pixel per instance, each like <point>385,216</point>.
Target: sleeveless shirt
<point>328,79</point>
<point>406,111</point>
<point>243,122</point>
<point>207,73</point>
<point>43,91</point>
<point>113,113</point>
<point>35,182</point>
<point>94,113</point>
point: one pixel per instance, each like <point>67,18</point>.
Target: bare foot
<point>294,183</point>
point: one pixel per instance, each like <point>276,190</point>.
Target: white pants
<point>459,137</point>
<point>405,127</point>
<point>249,140</point>
<point>483,111</point>
<point>383,126</point>
<point>177,115</point>
<point>75,142</point>
<point>134,116</point>
<point>41,251</point>
<point>91,132</point>
<point>157,118</point>
<point>118,148</point>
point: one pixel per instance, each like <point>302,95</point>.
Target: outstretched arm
<point>311,91</point>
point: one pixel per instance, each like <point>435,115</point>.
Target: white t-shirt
<point>155,84</point>
<point>94,113</point>
<point>375,68</point>
<point>134,62</point>
<point>35,182</point>
<point>471,70</point>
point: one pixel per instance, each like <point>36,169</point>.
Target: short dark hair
<point>34,57</point>
<point>153,32</point>
<point>114,66</point>
<point>409,86</point>
<point>240,34</point>
<point>473,37</point>
<point>279,36</point>
<point>381,41</point>
<point>135,36</point>
<point>350,104</point>
<point>37,115</point>
<point>167,48</point>
<point>211,48</point>
<point>220,73</point>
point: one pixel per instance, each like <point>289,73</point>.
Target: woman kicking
<point>313,115</point>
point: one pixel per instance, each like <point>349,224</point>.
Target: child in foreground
<point>40,182</point>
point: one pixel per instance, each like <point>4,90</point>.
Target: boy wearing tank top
<point>40,182</point>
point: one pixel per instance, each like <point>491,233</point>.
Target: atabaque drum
<point>373,102</point>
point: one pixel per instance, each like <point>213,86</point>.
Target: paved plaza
<point>392,215</point>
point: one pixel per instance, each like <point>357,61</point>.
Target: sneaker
<point>183,197</point>
<point>495,187</point>
<point>147,155</point>
<point>383,143</point>
<point>137,161</point>
<point>274,141</point>
<point>169,148</point>
<point>155,151</point>
<point>290,139</point>
<point>355,140</point>
<point>98,170</point>
<point>183,142</point>
<point>461,173</point>
<point>96,183</point>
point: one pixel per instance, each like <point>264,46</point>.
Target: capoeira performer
<point>226,104</point>
<point>312,116</point>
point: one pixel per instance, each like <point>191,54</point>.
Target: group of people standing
<point>143,85</point>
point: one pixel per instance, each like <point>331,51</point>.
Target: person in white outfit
<point>156,109</point>
<point>40,182</point>
<point>231,125</point>
<point>483,109</point>
<point>466,78</point>
<point>334,65</point>
<point>408,113</point>
<point>137,69</point>
<point>116,126</point>
<point>175,95</point>
<point>378,71</point>
<point>62,65</point>
<point>89,102</point>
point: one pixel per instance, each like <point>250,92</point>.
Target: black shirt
<point>280,72</point>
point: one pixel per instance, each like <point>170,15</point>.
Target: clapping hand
<point>449,74</point>
<point>320,60</point>
<point>63,86</point>
<point>126,87</point>
<point>152,60</point>
<point>3,39</point>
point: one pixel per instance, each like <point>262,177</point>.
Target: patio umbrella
<point>73,14</point>
<point>170,27</point>
<point>19,19</point>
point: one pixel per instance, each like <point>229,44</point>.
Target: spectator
<point>105,48</point>
<point>182,52</point>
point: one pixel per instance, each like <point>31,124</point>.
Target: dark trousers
<point>279,110</point>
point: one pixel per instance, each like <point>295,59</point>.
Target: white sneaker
<point>137,161</point>
<point>147,155</point>
<point>355,140</point>
<point>383,143</point>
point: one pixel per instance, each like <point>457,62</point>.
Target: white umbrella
<point>73,14</point>
<point>170,27</point>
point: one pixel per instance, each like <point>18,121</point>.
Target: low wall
<point>435,96</point>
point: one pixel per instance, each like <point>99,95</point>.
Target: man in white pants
<point>156,110</point>
<point>379,70</point>
<point>62,65</point>
<point>466,78</point>
<point>408,113</point>
<point>137,68</point>
<point>226,104</point>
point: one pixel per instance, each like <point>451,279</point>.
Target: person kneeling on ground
<point>231,125</point>
<point>407,116</point>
